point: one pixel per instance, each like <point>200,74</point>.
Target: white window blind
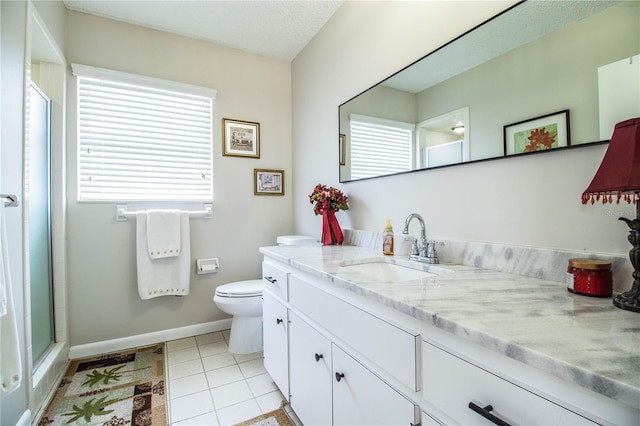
<point>379,147</point>
<point>142,139</point>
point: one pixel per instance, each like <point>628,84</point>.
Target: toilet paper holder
<point>207,266</point>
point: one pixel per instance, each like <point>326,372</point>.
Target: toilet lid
<point>247,288</point>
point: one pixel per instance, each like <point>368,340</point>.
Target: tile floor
<point>207,385</point>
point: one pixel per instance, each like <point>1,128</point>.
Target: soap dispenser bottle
<point>387,239</point>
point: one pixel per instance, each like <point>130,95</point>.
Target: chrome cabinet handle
<point>486,413</point>
<point>318,357</point>
<point>339,376</point>
<point>271,280</point>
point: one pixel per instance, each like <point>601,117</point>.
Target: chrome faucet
<point>422,251</point>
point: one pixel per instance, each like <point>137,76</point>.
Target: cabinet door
<point>310,373</point>
<point>275,327</point>
<point>362,398</point>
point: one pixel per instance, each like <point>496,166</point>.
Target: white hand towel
<point>10,362</point>
<point>165,276</point>
<point>163,233</point>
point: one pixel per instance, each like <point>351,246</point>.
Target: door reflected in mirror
<point>544,57</point>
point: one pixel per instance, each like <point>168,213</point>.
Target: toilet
<point>243,300</point>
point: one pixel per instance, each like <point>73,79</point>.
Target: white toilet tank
<point>296,240</point>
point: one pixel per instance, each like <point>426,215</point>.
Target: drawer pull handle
<point>339,376</point>
<point>486,413</point>
<point>318,357</point>
<point>278,320</point>
<point>271,280</point>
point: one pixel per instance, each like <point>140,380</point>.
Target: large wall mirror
<point>569,67</point>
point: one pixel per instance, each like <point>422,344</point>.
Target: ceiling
<point>279,29</point>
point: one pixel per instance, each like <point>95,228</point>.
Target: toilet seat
<point>239,289</point>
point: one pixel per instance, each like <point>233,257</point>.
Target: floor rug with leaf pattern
<point>122,388</point>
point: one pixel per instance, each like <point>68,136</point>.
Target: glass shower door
<point>39,223</point>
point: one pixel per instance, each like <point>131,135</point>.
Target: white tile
<point>239,412</point>
<point>252,368</point>
<point>208,419</point>
<point>204,339</point>
<point>248,357</point>
<point>190,406</point>
<point>233,393</point>
<point>224,376</point>
<point>261,384</point>
<point>183,355</point>
<point>218,361</point>
<point>184,369</point>
<point>188,385</point>
<point>270,401</point>
<point>176,345</point>
<point>213,348</point>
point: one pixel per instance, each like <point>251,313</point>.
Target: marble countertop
<point>584,340</point>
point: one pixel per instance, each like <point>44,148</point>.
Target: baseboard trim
<point>106,346</point>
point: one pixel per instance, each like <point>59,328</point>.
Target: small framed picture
<point>268,182</point>
<point>342,146</point>
<point>537,134</point>
<point>241,138</point>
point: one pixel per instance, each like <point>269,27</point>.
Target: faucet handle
<point>414,245</point>
<point>432,253</point>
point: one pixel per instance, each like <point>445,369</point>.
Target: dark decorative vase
<point>331,232</point>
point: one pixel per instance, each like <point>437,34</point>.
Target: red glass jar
<point>590,277</point>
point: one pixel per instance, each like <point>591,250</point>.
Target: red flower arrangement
<point>328,198</point>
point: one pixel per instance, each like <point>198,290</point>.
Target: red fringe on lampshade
<point>607,197</point>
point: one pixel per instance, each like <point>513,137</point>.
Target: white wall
<point>532,200</point>
<point>103,298</point>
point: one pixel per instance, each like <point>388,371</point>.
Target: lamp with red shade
<point>618,178</point>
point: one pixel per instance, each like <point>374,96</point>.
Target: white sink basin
<point>381,272</point>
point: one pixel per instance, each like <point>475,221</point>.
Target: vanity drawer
<point>451,384</point>
<point>275,279</point>
<point>393,349</point>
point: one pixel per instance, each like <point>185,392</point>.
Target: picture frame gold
<point>268,182</point>
<point>342,154</point>
<point>240,138</point>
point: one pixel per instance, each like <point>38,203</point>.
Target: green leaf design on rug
<point>90,409</point>
<point>96,376</point>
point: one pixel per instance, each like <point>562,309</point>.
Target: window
<point>142,139</point>
<point>379,147</point>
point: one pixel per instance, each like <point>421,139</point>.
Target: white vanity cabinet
<point>401,368</point>
<point>319,368</point>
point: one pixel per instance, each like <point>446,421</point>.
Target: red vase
<point>331,232</point>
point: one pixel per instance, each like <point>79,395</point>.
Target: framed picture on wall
<point>240,138</point>
<point>268,182</point>
<point>537,134</point>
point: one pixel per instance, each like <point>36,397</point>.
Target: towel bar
<point>122,213</point>
<point>10,200</point>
